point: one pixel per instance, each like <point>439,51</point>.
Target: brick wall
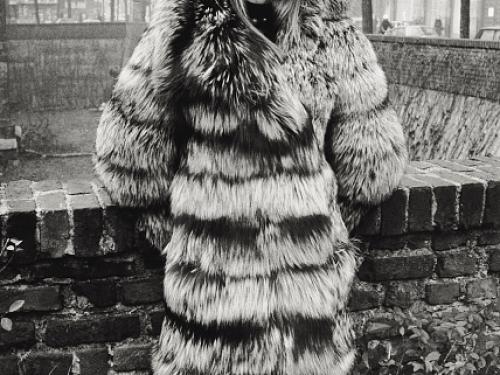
<point>464,67</point>
<point>92,287</point>
<point>66,66</point>
<point>447,93</point>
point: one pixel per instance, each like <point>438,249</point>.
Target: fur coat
<point>253,169</point>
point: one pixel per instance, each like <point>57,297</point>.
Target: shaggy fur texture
<point>248,167</point>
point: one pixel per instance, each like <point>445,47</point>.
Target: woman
<point>256,134</point>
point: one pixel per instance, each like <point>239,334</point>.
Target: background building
<point>426,12</point>
<point>62,11</point>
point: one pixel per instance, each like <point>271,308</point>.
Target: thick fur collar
<point>212,47</point>
<point>212,60</point>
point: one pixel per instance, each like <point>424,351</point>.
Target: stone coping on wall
<point>437,42</point>
<point>92,286</point>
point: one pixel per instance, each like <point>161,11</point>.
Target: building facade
<point>427,12</point>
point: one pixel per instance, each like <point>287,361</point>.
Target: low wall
<point>66,66</point>
<point>447,93</point>
<point>92,287</point>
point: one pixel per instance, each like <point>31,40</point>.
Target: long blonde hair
<point>288,20</point>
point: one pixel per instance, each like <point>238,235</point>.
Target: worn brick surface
<point>485,288</point>
<point>74,187</point>
<point>450,240</point>
<point>93,361</point>
<point>403,294</point>
<point>132,357</point>
<point>54,224</point>
<point>157,318</point>
<point>455,263</point>
<point>365,296</point>
<point>38,298</point>
<point>21,224</point>
<point>494,260</point>
<point>370,223</point>
<point>398,265</point>
<point>17,190</point>
<point>394,213</point>
<point>136,292</point>
<point>101,293</point>
<point>21,335</point>
<point>472,197</point>
<point>442,293</point>
<point>119,224</point>
<point>96,329</point>
<point>419,205</point>
<point>445,196</point>
<point>83,269</point>
<point>46,185</point>
<point>42,363</point>
<point>408,241</point>
<point>87,230</point>
<point>489,237</point>
<point>8,365</point>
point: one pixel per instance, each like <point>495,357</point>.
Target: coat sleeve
<point>364,142</point>
<point>136,148</point>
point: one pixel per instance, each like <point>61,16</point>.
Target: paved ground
<point>49,133</point>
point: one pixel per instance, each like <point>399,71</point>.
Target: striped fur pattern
<point>236,161</point>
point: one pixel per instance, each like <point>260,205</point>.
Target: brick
<point>21,335</point>
<point>151,256</point>
<point>101,293</point>
<point>494,260</point>
<point>95,329</point>
<point>445,195</point>
<point>75,187</point>
<point>407,241</point>
<point>394,213</point>
<point>85,269</point>
<point>21,224</point>
<point>450,240</point>
<point>492,202</point>
<point>442,293</point>
<point>485,288</point>
<point>132,357</point>
<point>455,263</point>
<point>119,224</point>
<point>8,365</point>
<point>365,296</point>
<point>54,224</point>
<point>136,292</point>
<point>419,205</point>
<point>403,293</point>
<point>19,190</point>
<point>382,265</point>
<point>46,185</point>
<point>157,318</point>
<point>93,361</point>
<point>42,298</point>
<point>381,328</point>
<point>472,197</point>
<point>87,230</point>
<point>488,237</point>
<point>44,363</point>
<point>370,222</point>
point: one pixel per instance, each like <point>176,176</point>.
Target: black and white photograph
<point>249,187</point>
